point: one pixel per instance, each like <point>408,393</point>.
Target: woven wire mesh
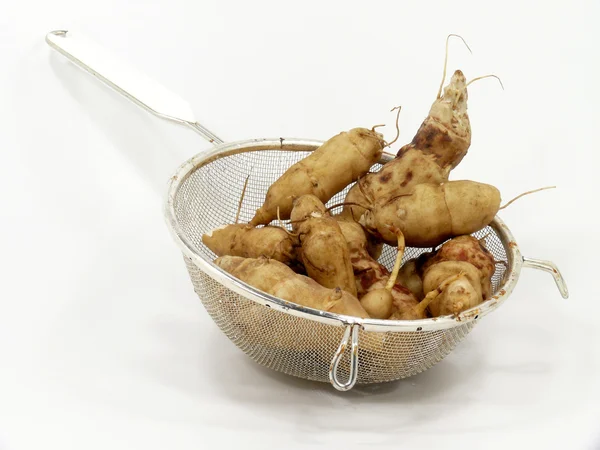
<point>297,346</point>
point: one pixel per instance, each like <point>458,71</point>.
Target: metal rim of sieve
<point>515,259</point>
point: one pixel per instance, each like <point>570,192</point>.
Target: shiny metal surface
<point>550,267</point>
<point>351,334</point>
<point>126,80</point>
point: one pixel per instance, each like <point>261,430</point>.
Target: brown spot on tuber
<point>386,177</point>
<point>368,278</point>
<point>403,150</point>
<point>424,140</point>
<point>409,176</point>
<point>337,293</point>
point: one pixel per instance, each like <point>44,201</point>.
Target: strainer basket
<point>204,193</point>
<point>307,343</point>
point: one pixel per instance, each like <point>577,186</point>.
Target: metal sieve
<point>204,193</point>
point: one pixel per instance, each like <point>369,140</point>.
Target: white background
<point>103,343</point>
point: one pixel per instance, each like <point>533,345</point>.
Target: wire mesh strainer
<point>204,193</point>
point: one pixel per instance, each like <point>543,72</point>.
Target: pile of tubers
<point>330,262</point>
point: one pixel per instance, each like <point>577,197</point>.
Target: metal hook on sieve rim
<point>550,267</point>
<point>350,333</point>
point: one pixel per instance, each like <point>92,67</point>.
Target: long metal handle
<point>126,80</point>
<point>550,267</point>
<point>351,329</point>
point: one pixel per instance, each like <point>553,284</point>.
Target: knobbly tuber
<point>366,269</point>
<point>323,249</point>
<point>445,133</point>
<point>325,172</point>
<point>433,213</point>
<point>456,277</point>
<point>250,242</point>
<point>277,279</point>
<point>371,276</point>
<point>379,301</point>
<point>469,249</point>
<point>438,146</point>
<point>398,176</point>
<point>460,294</point>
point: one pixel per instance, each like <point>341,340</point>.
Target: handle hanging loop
<point>351,333</point>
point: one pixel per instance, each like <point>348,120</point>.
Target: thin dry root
<point>337,205</point>
<point>396,197</point>
<point>401,246</point>
<point>237,215</point>
<point>399,108</point>
<point>290,234</point>
<point>439,95</point>
<point>431,296</point>
<point>487,76</point>
<point>527,193</point>
<point>378,126</point>
<point>282,226</point>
